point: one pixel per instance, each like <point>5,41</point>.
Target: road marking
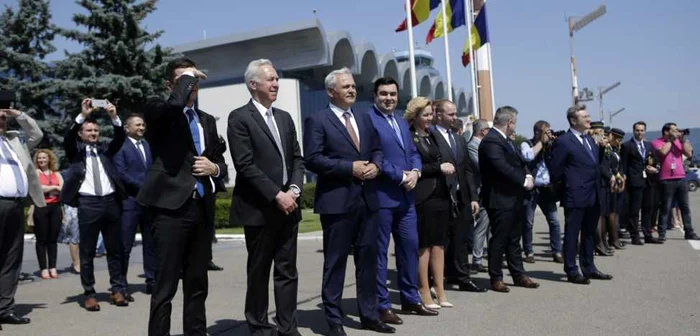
<point>695,244</point>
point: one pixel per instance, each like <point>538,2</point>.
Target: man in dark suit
<point>463,187</point>
<point>397,212</point>
<point>179,192</point>
<point>505,180</point>
<point>93,186</point>
<point>576,178</point>
<point>343,149</point>
<point>132,162</point>
<point>19,182</point>
<point>640,166</point>
<point>269,177</point>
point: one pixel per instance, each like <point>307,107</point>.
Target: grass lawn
<point>310,222</point>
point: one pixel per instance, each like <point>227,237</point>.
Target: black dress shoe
<point>652,240</point>
<point>387,316</point>
<point>128,297</point>
<point>378,326</point>
<point>637,241</point>
<point>598,275</point>
<point>479,268</point>
<point>149,289</point>
<point>214,267</point>
<point>473,271</point>
<point>419,309</point>
<point>578,279</point>
<point>601,252</point>
<point>558,258</point>
<point>336,330</point>
<point>14,319</point>
<point>471,287</point>
<point>692,236</point>
<point>662,239</point>
<point>25,277</point>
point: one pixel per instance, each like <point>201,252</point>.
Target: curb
<point>312,236</point>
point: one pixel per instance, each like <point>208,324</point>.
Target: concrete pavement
<point>655,292</point>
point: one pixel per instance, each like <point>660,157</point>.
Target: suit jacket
<point>463,168</point>
<point>633,164</point>
<point>21,148</point>
<point>329,153</point>
<point>75,152</point>
<point>397,159</point>
<point>132,169</point>
<point>473,149</point>
<point>169,182</point>
<point>431,174</point>
<point>575,174</point>
<point>503,170</point>
<point>258,164</point>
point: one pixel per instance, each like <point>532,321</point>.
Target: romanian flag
<point>479,34</point>
<point>420,11</point>
<point>456,18</point>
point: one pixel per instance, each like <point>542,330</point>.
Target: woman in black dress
<point>432,202</point>
<point>615,140</point>
<point>608,182</point>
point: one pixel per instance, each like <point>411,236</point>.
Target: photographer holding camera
<point>670,149</point>
<point>536,152</point>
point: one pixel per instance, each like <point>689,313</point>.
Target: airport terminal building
<point>303,54</point>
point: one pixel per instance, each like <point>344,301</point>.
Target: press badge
<point>644,174</point>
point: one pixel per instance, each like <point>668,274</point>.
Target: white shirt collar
<point>338,111</point>
<point>196,117</point>
<point>441,129</point>
<point>134,141</point>
<point>500,132</point>
<point>261,108</point>
<point>576,133</point>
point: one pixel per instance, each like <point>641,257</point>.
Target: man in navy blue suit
<point>397,213</point>
<point>132,162</point>
<point>575,175</point>
<point>343,149</point>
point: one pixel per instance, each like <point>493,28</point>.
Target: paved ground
<point>655,292</point>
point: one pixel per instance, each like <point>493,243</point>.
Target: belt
<point>98,197</point>
<point>13,199</point>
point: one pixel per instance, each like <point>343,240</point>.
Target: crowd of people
<point>414,178</point>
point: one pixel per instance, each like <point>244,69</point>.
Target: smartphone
<point>99,103</point>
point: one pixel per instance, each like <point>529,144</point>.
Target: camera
<point>684,132</point>
<point>558,133</point>
<point>7,99</point>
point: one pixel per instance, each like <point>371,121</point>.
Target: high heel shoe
<point>53,273</point>
<point>45,274</point>
<point>432,306</point>
<point>446,304</point>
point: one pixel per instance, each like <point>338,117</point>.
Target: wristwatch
<point>295,189</point>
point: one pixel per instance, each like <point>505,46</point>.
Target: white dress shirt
<point>339,113</point>
<point>8,187</point>
<point>445,134</point>
<point>580,139</point>
<point>139,145</point>
<point>87,188</point>
<point>202,142</point>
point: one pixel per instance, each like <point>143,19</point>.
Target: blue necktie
<point>453,144</point>
<point>589,149</point>
<point>395,126</point>
<point>194,130</point>
<point>16,170</point>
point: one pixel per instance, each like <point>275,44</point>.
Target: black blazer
<point>633,164</point>
<point>75,173</point>
<point>258,164</point>
<point>169,182</point>
<point>431,174</point>
<point>605,164</point>
<point>463,168</point>
<point>503,171</point>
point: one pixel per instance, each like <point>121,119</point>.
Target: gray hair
<point>480,125</point>
<point>504,114</point>
<point>332,77</point>
<point>573,110</point>
<point>252,72</point>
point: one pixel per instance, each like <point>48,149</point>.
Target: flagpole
<point>411,54</point>
<point>445,33</point>
<point>472,57</point>
<point>493,91</point>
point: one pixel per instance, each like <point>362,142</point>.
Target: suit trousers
<point>132,219</point>
<point>580,222</point>
<point>459,245</point>
<point>47,226</point>
<point>506,232</point>
<point>100,214</point>
<point>481,233</point>
<point>275,241</point>
<point>640,199</point>
<point>357,228</point>
<point>183,241</point>
<point>402,224</point>
<point>11,252</point>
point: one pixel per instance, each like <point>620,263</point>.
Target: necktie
<point>16,170</point>
<point>512,146</point>
<point>589,149</point>
<point>139,146</point>
<point>194,130</point>
<point>278,142</point>
<point>642,149</point>
<point>453,144</point>
<point>95,171</point>
<point>395,126</point>
<point>351,130</point>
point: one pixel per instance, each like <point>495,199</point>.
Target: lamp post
<point>576,25</point>
<point>601,92</point>
<point>612,114</point>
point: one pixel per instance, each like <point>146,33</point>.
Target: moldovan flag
<point>479,35</point>
<point>455,16</point>
<point>420,11</point>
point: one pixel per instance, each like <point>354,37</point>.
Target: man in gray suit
<point>19,180</point>
<point>481,228</point>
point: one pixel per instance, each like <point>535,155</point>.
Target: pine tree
<point>120,60</point>
<point>26,36</point>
